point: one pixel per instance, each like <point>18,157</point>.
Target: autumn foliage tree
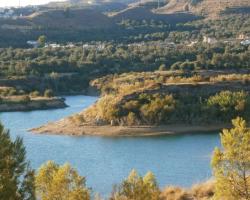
<point>231,164</point>
<point>136,187</point>
<point>60,182</point>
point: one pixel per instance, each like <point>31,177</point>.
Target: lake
<point>175,159</point>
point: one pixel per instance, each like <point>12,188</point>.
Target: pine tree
<point>16,177</point>
<point>231,165</point>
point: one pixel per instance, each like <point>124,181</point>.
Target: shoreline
<point>34,104</point>
<point>62,128</point>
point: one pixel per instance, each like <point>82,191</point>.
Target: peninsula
<point>162,102</point>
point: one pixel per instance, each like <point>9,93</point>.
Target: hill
<point>210,8</point>
<point>60,19</point>
<point>103,6</point>
<point>77,19</point>
<point>59,25</point>
<point>142,13</point>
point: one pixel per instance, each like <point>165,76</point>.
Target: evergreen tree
<point>42,40</point>
<point>231,166</point>
<point>16,177</point>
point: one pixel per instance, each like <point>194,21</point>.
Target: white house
<point>245,42</point>
<point>242,36</point>
<point>33,43</point>
<point>209,40</point>
<point>192,43</point>
<point>54,45</point>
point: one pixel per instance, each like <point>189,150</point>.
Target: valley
<point>125,100</point>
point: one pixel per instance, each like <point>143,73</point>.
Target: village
<point>242,39</point>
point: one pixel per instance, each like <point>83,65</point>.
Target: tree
<point>231,165</point>
<point>136,187</point>
<point>42,40</point>
<point>227,104</point>
<point>48,93</point>
<point>60,182</point>
<point>16,177</point>
<point>162,67</point>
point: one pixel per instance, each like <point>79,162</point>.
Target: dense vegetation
<point>129,45</point>
<point>16,176</point>
<point>230,167</point>
<point>71,69</point>
<point>163,97</point>
<point>162,109</point>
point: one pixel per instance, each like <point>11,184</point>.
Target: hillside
<point>210,8</point>
<point>59,25</point>
<point>77,18</point>
<point>59,19</point>
<point>142,13</point>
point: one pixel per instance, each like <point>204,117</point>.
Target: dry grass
<point>175,193</point>
<point>203,191</point>
<point>129,83</point>
<point>210,8</point>
<point>230,77</point>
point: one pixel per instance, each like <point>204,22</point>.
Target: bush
<point>48,93</point>
<point>175,193</point>
<point>163,67</point>
<point>157,109</point>
<point>131,119</point>
<point>204,190</point>
<point>35,94</point>
<point>227,104</point>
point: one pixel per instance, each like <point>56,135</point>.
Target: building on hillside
<point>97,46</point>
<point>33,43</point>
<point>192,43</point>
<point>209,40</point>
<point>245,42</point>
<point>242,36</point>
<point>87,46</point>
<point>70,45</point>
<point>53,45</point>
<point>7,13</point>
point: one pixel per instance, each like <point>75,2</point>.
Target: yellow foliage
<point>230,164</point>
<point>60,182</point>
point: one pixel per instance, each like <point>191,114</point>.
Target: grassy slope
<point>77,19</point>
<point>208,7</point>
<point>141,13</point>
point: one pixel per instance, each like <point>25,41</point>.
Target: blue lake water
<point>175,160</point>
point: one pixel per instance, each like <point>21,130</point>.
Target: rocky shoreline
<point>34,104</point>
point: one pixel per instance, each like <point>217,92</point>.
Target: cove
<point>175,159</point>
